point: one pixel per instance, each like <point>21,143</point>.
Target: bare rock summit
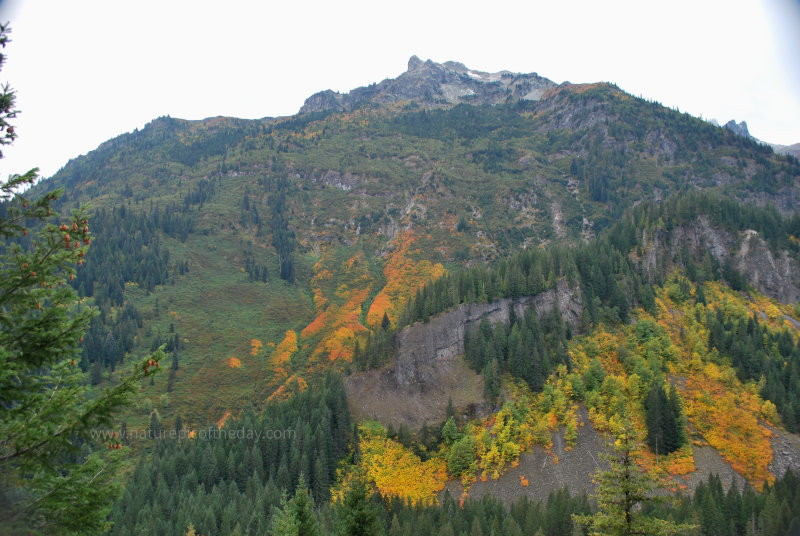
<point>436,84</point>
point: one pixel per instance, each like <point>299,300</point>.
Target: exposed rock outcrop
<point>436,83</point>
<point>422,346</point>
<point>429,368</point>
<point>776,274</point>
<point>739,129</point>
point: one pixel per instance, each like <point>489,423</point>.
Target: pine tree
<point>302,508</point>
<point>450,432</point>
<point>491,381</point>
<point>450,411</point>
<point>284,523</point>
<point>357,513</point>
<point>622,491</point>
<point>678,420</point>
<point>666,427</point>
<point>49,462</point>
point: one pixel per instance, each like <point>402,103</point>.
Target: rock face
<point>742,130</point>
<point>786,452</point>
<point>429,369</point>
<point>738,128</point>
<point>776,274</point>
<point>423,346</point>
<point>436,83</point>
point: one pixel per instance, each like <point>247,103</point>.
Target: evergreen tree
<point>284,523</point>
<point>492,381</point>
<point>450,432</point>
<point>357,513</point>
<point>48,461</point>
<point>622,491</point>
<point>302,509</point>
<point>664,418</point>
<point>450,411</point>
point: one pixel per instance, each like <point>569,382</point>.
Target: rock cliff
<point>774,273</point>
<point>429,370</point>
<point>421,347</point>
<point>436,83</point>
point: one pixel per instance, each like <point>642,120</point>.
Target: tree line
<point>232,486</point>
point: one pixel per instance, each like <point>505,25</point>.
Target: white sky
<point>86,71</point>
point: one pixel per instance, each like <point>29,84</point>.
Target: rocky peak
<point>437,84</point>
<point>738,128</point>
<point>413,63</point>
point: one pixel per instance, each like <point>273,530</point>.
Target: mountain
<point>432,83</point>
<point>793,150</point>
<point>741,130</point>
<point>407,235</point>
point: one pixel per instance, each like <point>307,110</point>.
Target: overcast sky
<point>86,71</point>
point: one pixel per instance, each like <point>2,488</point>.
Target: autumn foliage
<point>338,302</point>
<point>404,276</point>
<point>398,472</point>
<point>279,363</point>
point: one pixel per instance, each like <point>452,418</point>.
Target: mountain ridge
<point>271,255</point>
<point>432,83</point>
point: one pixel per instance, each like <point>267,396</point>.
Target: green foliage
<point>284,523</point>
<point>358,512</point>
<point>282,238</point>
<point>302,509</point>
<point>462,455</point>
<point>757,352</point>
<point>492,381</point>
<point>665,420</point>
<point>54,475</point>
<point>477,161</point>
<point>620,493</point>
<point>215,481</point>
<point>528,348</point>
<point>49,458</point>
<point>450,432</point>
<point>594,376</point>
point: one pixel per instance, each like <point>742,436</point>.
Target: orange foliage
<point>717,405</point>
<point>235,362</point>
<point>256,347</point>
<point>221,422</point>
<point>341,325</point>
<point>404,277</point>
<point>523,481</point>
<point>678,463</point>
<point>279,360</point>
<point>293,384</point>
<point>338,308</point>
<point>724,411</point>
<point>316,325</point>
<point>728,420</point>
